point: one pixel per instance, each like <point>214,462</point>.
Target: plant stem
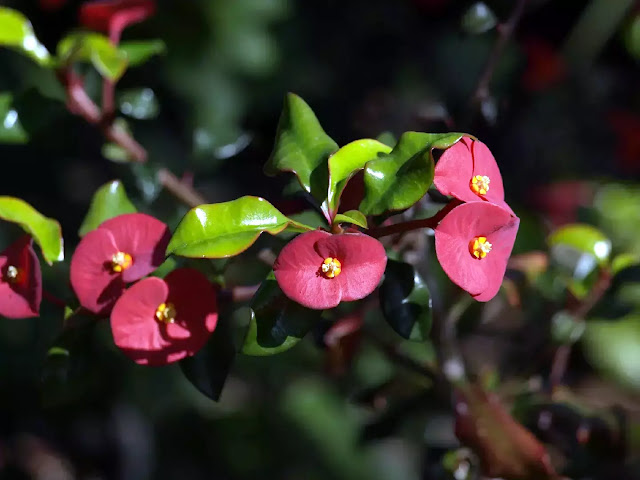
<point>505,31</point>
<point>49,297</point>
<point>431,222</point>
<point>563,352</point>
<point>79,103</point>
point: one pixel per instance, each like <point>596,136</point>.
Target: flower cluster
<point>155,321</point>
<point>475,239</point>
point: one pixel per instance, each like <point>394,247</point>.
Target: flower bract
<point>469,172</point>
<point>319,270</point>
<point>160,321</point>
<point>113,16</point>
<point>473,244</point>
<point>20,280</point>
<point>120,251</point>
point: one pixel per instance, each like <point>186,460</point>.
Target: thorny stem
<point>431,222</point>
<point>563,352</point>
<point>81,104</point>
<point>505,31</point>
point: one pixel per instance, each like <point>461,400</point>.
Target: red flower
<point>545,66</point>
<point>319,270</point>
<point>156,321</point>
<point>121,250</point>
<point>113,16</point>
<point>473,244</point>
<point>20,280</point>
<point>468,172</point>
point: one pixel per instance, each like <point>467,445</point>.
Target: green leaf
<point>346,162</point>
<point>632,36</point>
<point>276,323</point>
<point>613,346</point>
<point>225,229</point>
<point>388,139</point>
<point>352,216</point>
<point>583,238</point>
<point>406,301</point>
<point>209,368</point>
<point>95,48</point>
<point>109,201</point>
<point>399,179</point>
<point>479,18</point>
<point>623,261</point>
<point>139,103</point>
<point>16,32</point>
<point>138,52</point>
<point>302,147</point>
<point>45,231</point>
<point>566,329</point>
<point>11,130</point>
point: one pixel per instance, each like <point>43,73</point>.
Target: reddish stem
<point>431,222</point>
<point>49,297</point>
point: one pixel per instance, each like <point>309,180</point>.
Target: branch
<point>505,31</point>
<point>431,222</point>
<point>179,189</point>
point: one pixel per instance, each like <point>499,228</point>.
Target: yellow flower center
<point>121,261</point>
<point>331,267</point>
<point>480,184</point>
<point>479,247</point>
<point>166,313</point>
<point>12,274</point>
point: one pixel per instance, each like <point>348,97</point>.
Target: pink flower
<point>468,172</point>
<point>20,280</point>
<point>156,321</point>
<point>319,270</point>
<point>473,244</point>
<point>121,250</point>
<point>113,16</point>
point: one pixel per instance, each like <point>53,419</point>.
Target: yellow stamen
<point>166,313</point>
<point>121,261</point>
<point>479,247</point>
<point>12,274</point>
<point>331,267</point>
<point>480,184</point>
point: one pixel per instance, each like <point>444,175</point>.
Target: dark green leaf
<point>11,130</point>
<point>276,323</point>
<point>16,32</point>
<point>583,238</point>
<point>96,49</point>
<point>346,162</point>
<point>208,369</point>
<point>406,301</point>
<point>139,103</point>
<point>226,229</point>
<point>138,52</point>
<point>302,147</point>
<point>352,216</point>
<point>45,231</point>
<point>632,36</point>
<point>479,18</point>
<point>109,201</point>
<point>399,179</point>
<point>388,139</point>
<point>566,329</point>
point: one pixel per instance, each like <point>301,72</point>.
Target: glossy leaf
<point>352,216</point>
<point>109,201</point>
<point>225,229</point>
<point>16,32</point>
<point>479,18</point>
<point>346,162</point>
<point>11,130</point>
<point>583,238</point>
<point>623,261</point>
<point>139,52</point>
<point>406,301</point>
<point>302,147</point>
<point>209,368</point>
<point>612,347</point>
<point>399,179</point>
<point>45,231</point>
<point>96,49</point>
<point>276,323</point>
<point>139,103</point>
